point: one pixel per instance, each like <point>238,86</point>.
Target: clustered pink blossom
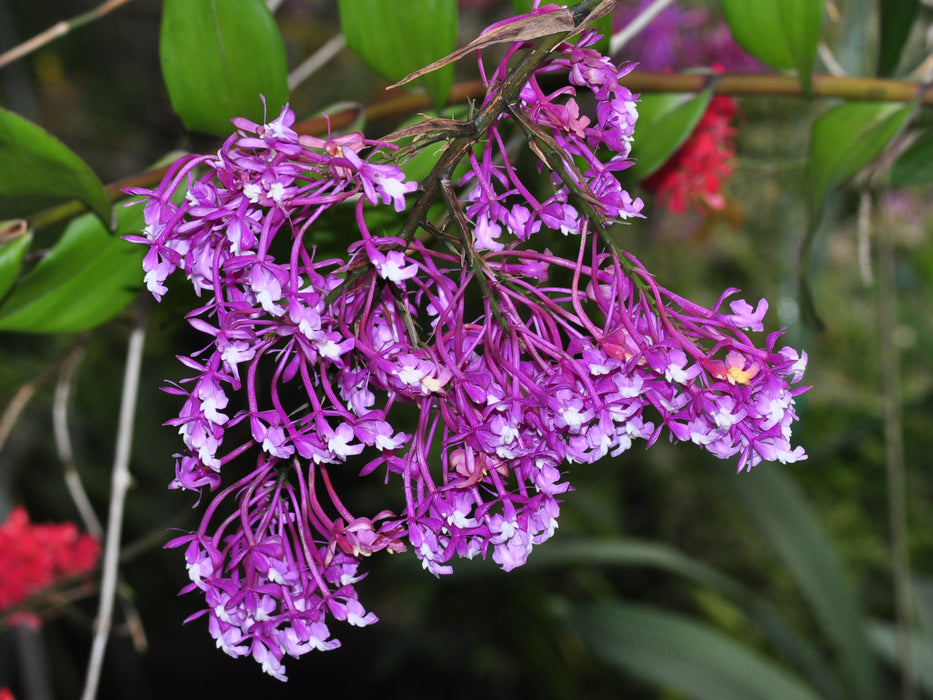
<point>471,370</point>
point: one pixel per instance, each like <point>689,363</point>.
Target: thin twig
<point>316,61</point>
<point>761,85</point>
<point>863,233</point>
<point>826,56</point>
<point>66,381</point>
<point>66,378</point>
<point>635,27</point>
<point>19,402</point>
<point>119,484</point>
<point>58,30</point>
<point>775,85</point>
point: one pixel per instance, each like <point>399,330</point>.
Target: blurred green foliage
<point>541,631</point>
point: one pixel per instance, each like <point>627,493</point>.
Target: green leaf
<point>844,140</point>
<point>897,17</point>
<point>86,279</point>
<point>915,165</point>
<point>397,37</point>
<point>631,552</point>
<point>218,57</point>
<point>11,260</point>
<point>676,652</point>
<point>37,170</point>
<point>780,33</point>
<point>665,121</point>
<point>790,525</point>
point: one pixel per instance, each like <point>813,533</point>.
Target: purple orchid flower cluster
<point>590,151</point>
<point>473,368</point>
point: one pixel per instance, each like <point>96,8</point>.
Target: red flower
<point>33,557</point>
<point>694,174</point>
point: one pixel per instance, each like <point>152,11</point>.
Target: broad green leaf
<point>218,57</point>
<point>86,279</point>
<point>897,17</point>
<point>915,165</point>
<point>665,121</point>
<point>844,140</point>
<point>678,653</point>
<point>630,552</point>
<point>37,170</point>
<point>780,33</point>
<point>397,37</point>
<point>790,525</point>
<point>11,260</point>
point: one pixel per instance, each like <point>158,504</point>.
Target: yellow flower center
<point>737,375</point>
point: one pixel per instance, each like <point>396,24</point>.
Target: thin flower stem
<point>120,482</point>
<point>58,30</point>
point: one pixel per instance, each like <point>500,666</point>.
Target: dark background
<point>480,632</point>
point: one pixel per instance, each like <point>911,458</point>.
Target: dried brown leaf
<point>434,126</point>
<point>526,29</point>
<point>601,10</point>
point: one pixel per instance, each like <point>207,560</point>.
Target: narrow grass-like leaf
<point>397,37</point>
<point>884,639</point>
<point>629,552</point>
<point>218,57</point>
<point>679,653</point>
<point>790,525</point>
<point>665,121</point>
<point>37,170</point>
<point>88,277</point>
<point>780,33</point>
